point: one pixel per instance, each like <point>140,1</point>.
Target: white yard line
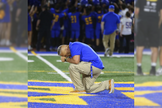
<point>52,66</point>
<point>19,54</point>
<point>100,55</point>
<point>9,51</point>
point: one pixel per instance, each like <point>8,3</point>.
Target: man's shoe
<point>106,52</point>
<point>77,91</point>
<point>153,70</point>
<point>111,86</point>
<point>139,70</point>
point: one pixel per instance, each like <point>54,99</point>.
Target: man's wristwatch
<point>65,59</point>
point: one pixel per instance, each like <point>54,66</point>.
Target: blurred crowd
<point>13,23</point>
<point>13,26</point>
<point>62,32</point>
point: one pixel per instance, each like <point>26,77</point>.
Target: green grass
<point>146,66</point>
<point>13,71</point>
<point>113,67</point>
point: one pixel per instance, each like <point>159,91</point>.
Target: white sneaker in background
<point>29,47</point>
<point>8,43</point>
<point>3,41</point>
<point>159,71</point>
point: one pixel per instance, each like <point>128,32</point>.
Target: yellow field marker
<point>71,82</point>
<point>13,83</point>
<point>142,101</point>
<point>14,95</point>
<point>13,104</point>
<point>33,53</point>
<point>149,84</point>
<point>146,92</point>
<point>124,88</point>
<point>13,49</point>
<point>13,90</point>
<point>129,94</point>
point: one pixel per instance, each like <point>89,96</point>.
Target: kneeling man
<point>85,61</point>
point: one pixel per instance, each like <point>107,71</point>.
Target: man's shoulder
<point>75,45</point>
<point>115,14</point>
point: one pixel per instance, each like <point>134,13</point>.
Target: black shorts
<point>147,34</point>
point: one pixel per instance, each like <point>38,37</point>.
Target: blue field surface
<point>95,100</point>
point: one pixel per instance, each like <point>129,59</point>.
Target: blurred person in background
<point>6,23</point>
<point>66,31</point>
<point>147,29</point>
<point>104,4</point>
<point>89,24</point>
<point>159,71</point>
<point>74,17</point>
<point>31,12</point>
<point>131,10</point>
<point>21,18</point>
<point>126,32</point>
<point>123,11</point>
<point>109,25</point>
<point>55,33</point>
<point>44,27</point>
<point>98,17</point>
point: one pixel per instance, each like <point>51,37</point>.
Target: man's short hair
<point>59,50</point>
<point>128,14</point>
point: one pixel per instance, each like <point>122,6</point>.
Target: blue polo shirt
<point>87,54</point>
<point>111,20</point>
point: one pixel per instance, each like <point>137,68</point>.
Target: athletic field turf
<point>49,83</point>
<point>47,88</point>
<point>13,78</point>
<point>148,89</point>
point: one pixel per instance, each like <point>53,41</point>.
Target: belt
<point>91,72</point>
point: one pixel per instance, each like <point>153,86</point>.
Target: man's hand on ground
<point>63,59</point>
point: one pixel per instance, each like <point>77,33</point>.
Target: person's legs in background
<point>64,35</point>
<point>29,40</point>
<point>57,38</point>
<point>92,37</point>
<point>77,34</point>
<point>88,37</point>
<point>29,35</point>
<point>154,56</point>
<point>159,71</point>
<point>52,39</point>
<point>127,37</point>
<point>117,43</point>
<point>98,33</point>
<point>121,44</point>
<point>72,35</point>
<point>48,39</point>
<point>112,43</point>
<point>105,40</point>
<point>40,36</point>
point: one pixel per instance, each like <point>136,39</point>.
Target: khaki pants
<point>86,83</point>
<point>106,39</point>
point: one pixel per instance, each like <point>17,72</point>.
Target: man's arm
<point>75,59</point>
<point>160,21</point>
<point>137,12</point>
<point>102,26</point>
<point>38,22</point>
<point>53,22</point>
